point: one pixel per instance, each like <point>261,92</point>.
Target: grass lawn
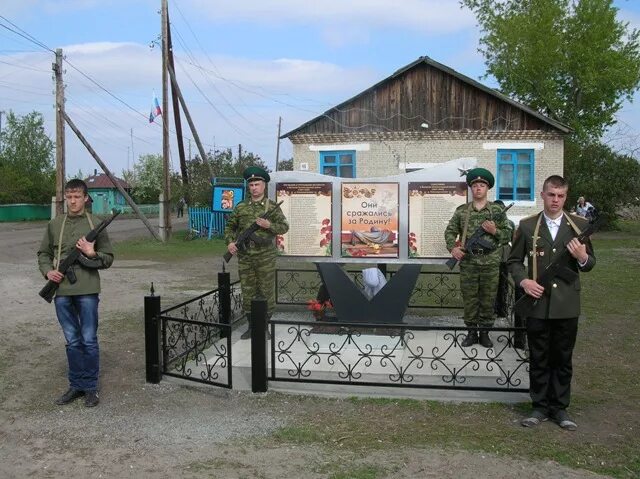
<point>176,249</point>
<point>606,386</point>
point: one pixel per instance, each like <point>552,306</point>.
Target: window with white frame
<point>338,163</point>
<point>515,175</point>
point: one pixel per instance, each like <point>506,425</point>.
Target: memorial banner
<point>431,206</point>
<point>307,207</point>
<point>369,220</point>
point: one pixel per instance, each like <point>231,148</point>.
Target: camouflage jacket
<point>491,212</point>
<point>246,214</point>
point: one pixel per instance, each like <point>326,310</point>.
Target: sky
<point>241,66</point>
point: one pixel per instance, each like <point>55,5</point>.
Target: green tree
<point>218,164</point>
<point>605,178</point>
<point>27,173</point>
<point>149,176</point>
<point>572,60</point>
<point>285,165</point>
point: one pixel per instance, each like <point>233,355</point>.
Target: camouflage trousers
<point>479,286</point>
<point>257,270</point>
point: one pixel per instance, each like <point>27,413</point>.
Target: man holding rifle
<point>257,256</point>
<point>76,299</point>
<point>479,265</point>
<point>552,320</point>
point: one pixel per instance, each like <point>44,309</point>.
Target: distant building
<point>427,113</point>
<point>104,194</point>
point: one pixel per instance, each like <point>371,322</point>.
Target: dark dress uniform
<point>552,324</point>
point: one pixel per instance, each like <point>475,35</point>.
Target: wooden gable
<point>428,92</point>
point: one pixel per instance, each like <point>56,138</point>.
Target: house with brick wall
<point>427,113</point>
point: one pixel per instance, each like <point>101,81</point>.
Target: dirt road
<point>171,429</point>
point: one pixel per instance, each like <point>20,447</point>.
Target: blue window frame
<point>338,163</point>
<point>515,175</point>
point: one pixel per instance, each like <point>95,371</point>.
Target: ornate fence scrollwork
<point>195,345</point>
<point>439,289</point>
<point>392,355</point>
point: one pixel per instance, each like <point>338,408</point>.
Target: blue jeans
<point>78,317</point>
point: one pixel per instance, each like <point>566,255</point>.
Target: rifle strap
<point>534,256</point>
<point>571,222</point>
<point>465,228</point>
<point>56,260</point>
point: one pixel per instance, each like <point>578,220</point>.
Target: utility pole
<point>178,122</point>
<point>166,234</point>
<point>278,142</point>
<point>239,152</point>
<point>60,156</point>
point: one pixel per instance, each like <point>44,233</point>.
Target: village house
<point>104,194</point>
<point>427,113</point>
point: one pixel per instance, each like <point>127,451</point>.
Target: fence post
<point>258,346</point>
<point>152,338</point>
<point>224,301</point>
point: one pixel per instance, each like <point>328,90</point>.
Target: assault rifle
<point>76,255</point>
<point>475,241</point>
<point>556,269</point>
<point>243,238</point>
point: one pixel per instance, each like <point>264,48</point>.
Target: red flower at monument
<point>326,221</point>
<point>318,308</point>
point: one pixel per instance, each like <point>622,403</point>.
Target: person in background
<point>501,305</point>
<point>180,206</point>
<point>552,322</point>
<point>77,304</point>
<point>585,209</point>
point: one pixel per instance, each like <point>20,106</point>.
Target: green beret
<point>256,173</point>
<point>480,174</point>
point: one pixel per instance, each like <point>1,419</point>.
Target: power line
<point>24,34</point>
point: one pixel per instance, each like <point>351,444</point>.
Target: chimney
<point>95,172</point>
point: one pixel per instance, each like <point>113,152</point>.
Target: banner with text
<point>369,220</point>
<point>307,207</point>
<point>431,206</point>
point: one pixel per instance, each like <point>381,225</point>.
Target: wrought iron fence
<point>196,338</point>
<point>434,289</point>
<point>392,355</point>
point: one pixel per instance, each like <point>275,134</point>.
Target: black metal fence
<point>434,289</point>
<point>392,355</point>
<point>192,340</point>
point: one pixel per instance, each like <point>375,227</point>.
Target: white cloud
<point>246,96</point>
<point>428,16</point>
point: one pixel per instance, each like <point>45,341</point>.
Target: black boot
<point>470,340</point>
<point>247,333</point>
<point>485,340</point>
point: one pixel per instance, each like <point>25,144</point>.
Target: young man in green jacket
<point>77,303</point>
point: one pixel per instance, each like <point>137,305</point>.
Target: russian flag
<point>155,108</point>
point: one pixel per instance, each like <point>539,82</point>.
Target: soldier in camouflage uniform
<point>257,257</point>
<point>479,268</point>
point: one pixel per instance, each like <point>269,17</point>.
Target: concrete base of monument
<point>428,365</point>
